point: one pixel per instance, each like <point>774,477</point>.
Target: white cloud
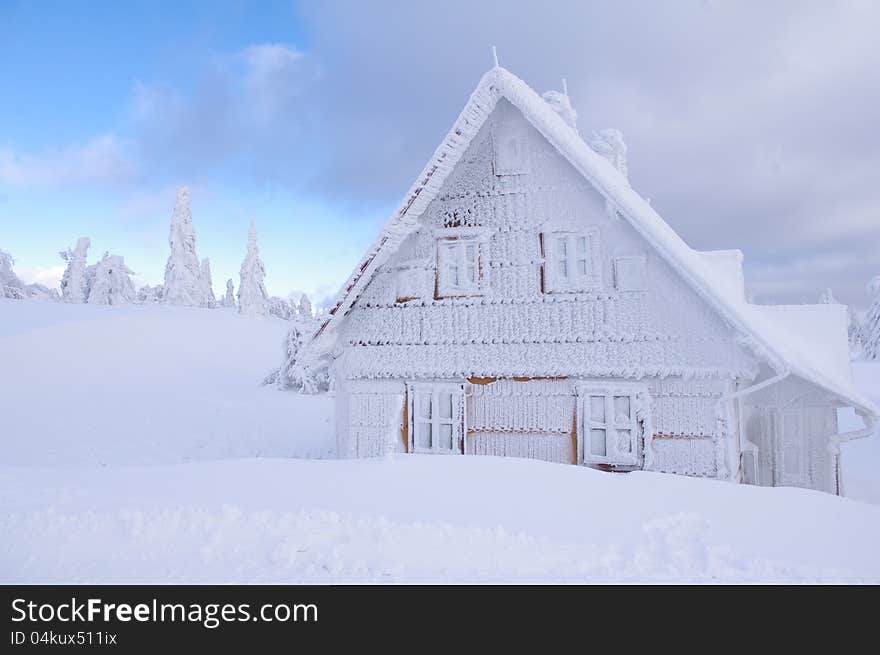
<point>103,159</point>
<point>49,276</point>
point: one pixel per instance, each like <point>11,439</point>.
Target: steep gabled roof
<point>712,275</point>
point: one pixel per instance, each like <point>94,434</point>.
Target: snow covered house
<point>525,301</point>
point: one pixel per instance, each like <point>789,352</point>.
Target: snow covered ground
<point>139,448</point>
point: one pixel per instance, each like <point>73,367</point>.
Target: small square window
<point>459,267</point>
<point>571,261</point>
<point>630,273</point>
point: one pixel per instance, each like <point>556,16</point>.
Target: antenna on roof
<point>495,56</point>
<point>564,86</point>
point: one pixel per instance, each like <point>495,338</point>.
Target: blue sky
<point>77,81</point>
<point>749,125</point>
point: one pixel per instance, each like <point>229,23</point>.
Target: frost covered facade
<point>526,301</point>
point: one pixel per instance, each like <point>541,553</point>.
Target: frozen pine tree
<point>182,272</point>
<point>252,296</point>
<point>73,283</point>
<point>112,284</point>
<point>10,285</point>
<point>827,298</point>
<point>305,307</point>
<point>229,298</point>
<point>208,299</point>
<point>870,333</point>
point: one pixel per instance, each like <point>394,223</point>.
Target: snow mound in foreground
<point>421,519</point>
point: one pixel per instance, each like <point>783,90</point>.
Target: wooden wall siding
<point>535,406</point>
<point>369,418</point>
<point>686,456</point>
<point>544,446</point>
<point>668,327</point>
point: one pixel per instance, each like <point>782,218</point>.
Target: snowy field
<point>138,447</point>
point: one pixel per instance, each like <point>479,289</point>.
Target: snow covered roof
<point>774,334</point>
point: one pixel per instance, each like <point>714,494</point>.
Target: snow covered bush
<point>148,295</point>
<point>73,282</point>
<point>870,332</point>
<point>112,284</point>
<point>281,308</point>
<point>42,292</point>
<point>183,285</point>
<point>252,296</point>
<point>296,373</point>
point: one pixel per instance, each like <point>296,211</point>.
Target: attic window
<point>459,266</point>
<point>630,273</point>
<point>510,142</point>
<point>571,261</point>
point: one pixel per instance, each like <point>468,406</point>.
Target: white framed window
<point>610,423</point>
<point>630,272</point>
<point>510,141</point>
<point>571,260</point>
<point>436,423</point>
<point>459,266</point>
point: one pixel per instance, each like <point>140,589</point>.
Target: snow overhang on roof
<point>713,275</point>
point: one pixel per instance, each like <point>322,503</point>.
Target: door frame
<point>803,480</point>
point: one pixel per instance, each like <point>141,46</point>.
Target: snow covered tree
<point>870,333</point>
<point>854,330</point>
<point>183,272</point>
<point>252,296</point>
<point>208,299</point>
<point>148,295</point>
<point>281,308</point>
<point>827,298</point>
<point>112,284</point>
<point>229,299</point>
<point>10,285</point>
<point>73,282</point>
<point>305,307</point>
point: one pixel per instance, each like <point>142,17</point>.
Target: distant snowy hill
<point>138,447</point>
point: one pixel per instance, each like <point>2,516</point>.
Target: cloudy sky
<point>750,125</point>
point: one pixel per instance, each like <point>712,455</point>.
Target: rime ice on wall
<point>513,328</point>
<point>649,326</point>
